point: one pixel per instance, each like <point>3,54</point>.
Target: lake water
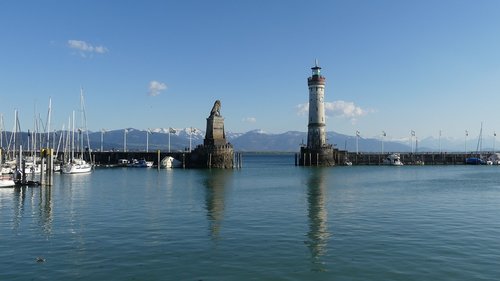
<point>267,221</point>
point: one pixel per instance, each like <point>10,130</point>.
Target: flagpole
<point>125,140</point>
<point>439,141</point>
<point>102,138</point>
<point>412,134</point>
<point>147,140</point>
<point>170,131</point>
<point>357,138</point>
<point>466,134</point>
<point>494,140</point>
<point>190,133</point>
<point>383,137</point>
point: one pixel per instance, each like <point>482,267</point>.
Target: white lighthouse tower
<point>316,134</point>
<point>317,152</point>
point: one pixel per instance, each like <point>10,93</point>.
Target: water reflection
<point>18,206</point>
<point>45,209</point>
<point>318,216</point>
<point>215,183</point>
<point>33,202</point>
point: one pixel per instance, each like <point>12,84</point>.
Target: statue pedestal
<point>215,152</point>
<point>215,131</point>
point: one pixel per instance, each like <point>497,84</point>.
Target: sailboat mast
<point>84,124</point>
<point>67,141</point>
<point>48,122</point>
<point>1,130</point>
<point>73,138</point>
<point>33,135</point>
<point>481,138</point>
<point>15,134</point>
<point>81,124</point>
<point>60,138</point>
<point>479,146</point>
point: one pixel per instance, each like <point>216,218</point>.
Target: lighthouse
<point>316,134</point>
<point>317,152</point>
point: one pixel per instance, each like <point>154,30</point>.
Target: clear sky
<point>391,66</point>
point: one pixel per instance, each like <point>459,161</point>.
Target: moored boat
<point>142,163</point>
<point>167,162</point>
<point>7,181</point>
<point>475,161</point>
<point>494,158</point>
<point>76,166</point>
<point>479,159</point>
<point>122,163</point>
<point>393,160</point>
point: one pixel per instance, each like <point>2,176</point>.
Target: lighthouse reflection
<point>318,234</point>
<point>215,183</point>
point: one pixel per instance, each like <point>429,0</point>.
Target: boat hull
<point>76,169</point>
<point>77,166</point>
<point>475,161</point>
<point>6,181</point>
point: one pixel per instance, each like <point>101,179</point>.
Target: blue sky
<point>392,66</point>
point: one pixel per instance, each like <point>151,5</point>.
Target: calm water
<point>268,221</point>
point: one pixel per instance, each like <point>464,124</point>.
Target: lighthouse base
<point>323,156</point>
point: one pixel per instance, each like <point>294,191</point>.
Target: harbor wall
<point>427,158</point>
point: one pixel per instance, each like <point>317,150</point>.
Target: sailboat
<point>477,160</point>
<point>78,165</point>
<point>10,164</point>
<point>6,176</point>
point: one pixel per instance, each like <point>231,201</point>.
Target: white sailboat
<point>11,162</point>
<point>478,159</point>
<point>78,165</point>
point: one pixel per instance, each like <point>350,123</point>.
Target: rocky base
<point>324,156</point>
<point>212,156</point>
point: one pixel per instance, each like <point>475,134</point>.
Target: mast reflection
<point>318,216</point>
<point>45,207</point>
<point>33,200</point>
<point>215,183</point>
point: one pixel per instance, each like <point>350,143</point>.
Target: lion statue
<point>215,109</point>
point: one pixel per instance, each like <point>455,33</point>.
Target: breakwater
<point>427,158</point>
<point>418,158</point>
<point>187,159</point>
<point>107,158</point>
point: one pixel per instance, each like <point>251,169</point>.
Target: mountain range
<point>251,141</point>
<point>259,140</point>
<point>256,141</point>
